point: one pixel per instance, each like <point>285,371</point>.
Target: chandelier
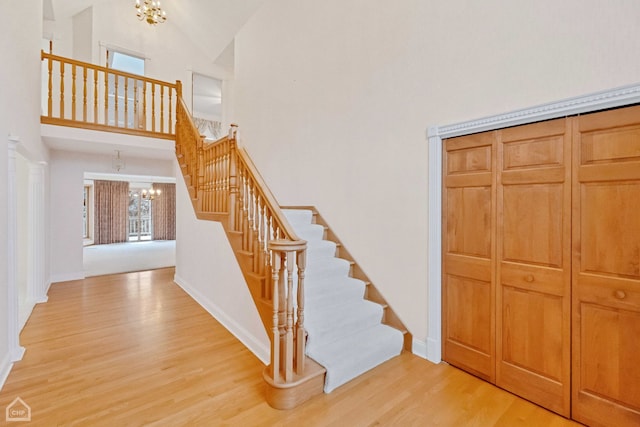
<point>145,194</point>
<point>150,11</point>
<point>150,193</point>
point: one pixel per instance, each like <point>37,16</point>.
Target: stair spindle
<point>73,92</point>
<point>301,260</point>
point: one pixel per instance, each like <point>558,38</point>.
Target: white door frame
<point>617,97</point>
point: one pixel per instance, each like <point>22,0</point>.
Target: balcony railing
<point>90,96</point>
<point>140,228</point>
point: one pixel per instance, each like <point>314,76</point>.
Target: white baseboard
<point>419,348</point>
<point>430,349</point>
<point>25,314</point>
<point>66,277</point>
<point>5,368</point>
<point>246,338</point>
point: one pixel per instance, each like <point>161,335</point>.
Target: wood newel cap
<point>287,245</point>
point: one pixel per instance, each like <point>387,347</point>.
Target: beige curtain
<point>111,203</point>
<point>163,212</point>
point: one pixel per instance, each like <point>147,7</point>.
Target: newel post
<point>288,335</point>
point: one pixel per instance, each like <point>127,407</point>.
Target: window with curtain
<point>163,214</point>
<point>111,211</point>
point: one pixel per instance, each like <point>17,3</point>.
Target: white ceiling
<point>211,25</point>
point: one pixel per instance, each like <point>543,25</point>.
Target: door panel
<point>468,290</point>
<point>533,263</point>
<point>606,268</point>
<point>541,226</point>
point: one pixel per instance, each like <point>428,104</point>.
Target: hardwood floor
<point>134,349</point>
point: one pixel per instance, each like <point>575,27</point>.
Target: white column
<point>36,278</point>
<point>15,350</point>
<point>434,254</point>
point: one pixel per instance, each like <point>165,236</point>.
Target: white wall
<point>207,269</point>
<point>82,39</point>
<point>66,189</point>
<point>333,100</point>
<point>20,36</point>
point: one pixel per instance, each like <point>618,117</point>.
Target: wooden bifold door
<point>541,262</point>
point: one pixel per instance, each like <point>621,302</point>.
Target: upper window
<point>124,62</point>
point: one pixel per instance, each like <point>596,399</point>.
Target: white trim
<point>13,322</point>
<point>434,262</point>
<point>131,178</point>
<point>36,282</point>
<point>419,348</point>
<point>617,97</point>
<point>5,369</point>
<point>251,342</point>
<point>119,49</point>
<point>65,277</point>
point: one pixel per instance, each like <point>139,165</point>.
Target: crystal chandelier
<point>150,11</point>
<point>150,194</point>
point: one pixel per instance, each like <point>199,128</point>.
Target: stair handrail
<point>78,95</point>
<point>189,144</point>
<point>288,231</point>
<point>223,180</point>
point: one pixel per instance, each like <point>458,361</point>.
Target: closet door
<point>468,254</point>
<point>534,263</point>
<point>606,269</point>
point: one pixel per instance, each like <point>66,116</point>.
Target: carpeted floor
<point>125,257</point>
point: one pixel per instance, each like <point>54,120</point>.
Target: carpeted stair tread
<point>345,333</point>
<point>334,285</point>
<point>327,267</point>
<point>354,355</point>
<point>321,249</point>
<point>328,325</point>
<point>298,216</point>
<point>309,232</point>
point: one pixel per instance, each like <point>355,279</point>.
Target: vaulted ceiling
<point>210,24</point>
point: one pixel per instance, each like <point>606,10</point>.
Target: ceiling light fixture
<point>150,194</point>
<point>117,162</point>
<point>150,11</point>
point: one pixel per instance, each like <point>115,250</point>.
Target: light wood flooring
<point>134,349</point>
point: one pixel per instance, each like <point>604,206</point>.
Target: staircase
<point>327,322</point>
<point>288,258</point>
<point>345,330</point>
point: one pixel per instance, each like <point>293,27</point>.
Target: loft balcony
<point>91,108</point>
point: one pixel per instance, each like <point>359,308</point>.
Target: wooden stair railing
<point>84,95</point>
<point>225,186</point>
